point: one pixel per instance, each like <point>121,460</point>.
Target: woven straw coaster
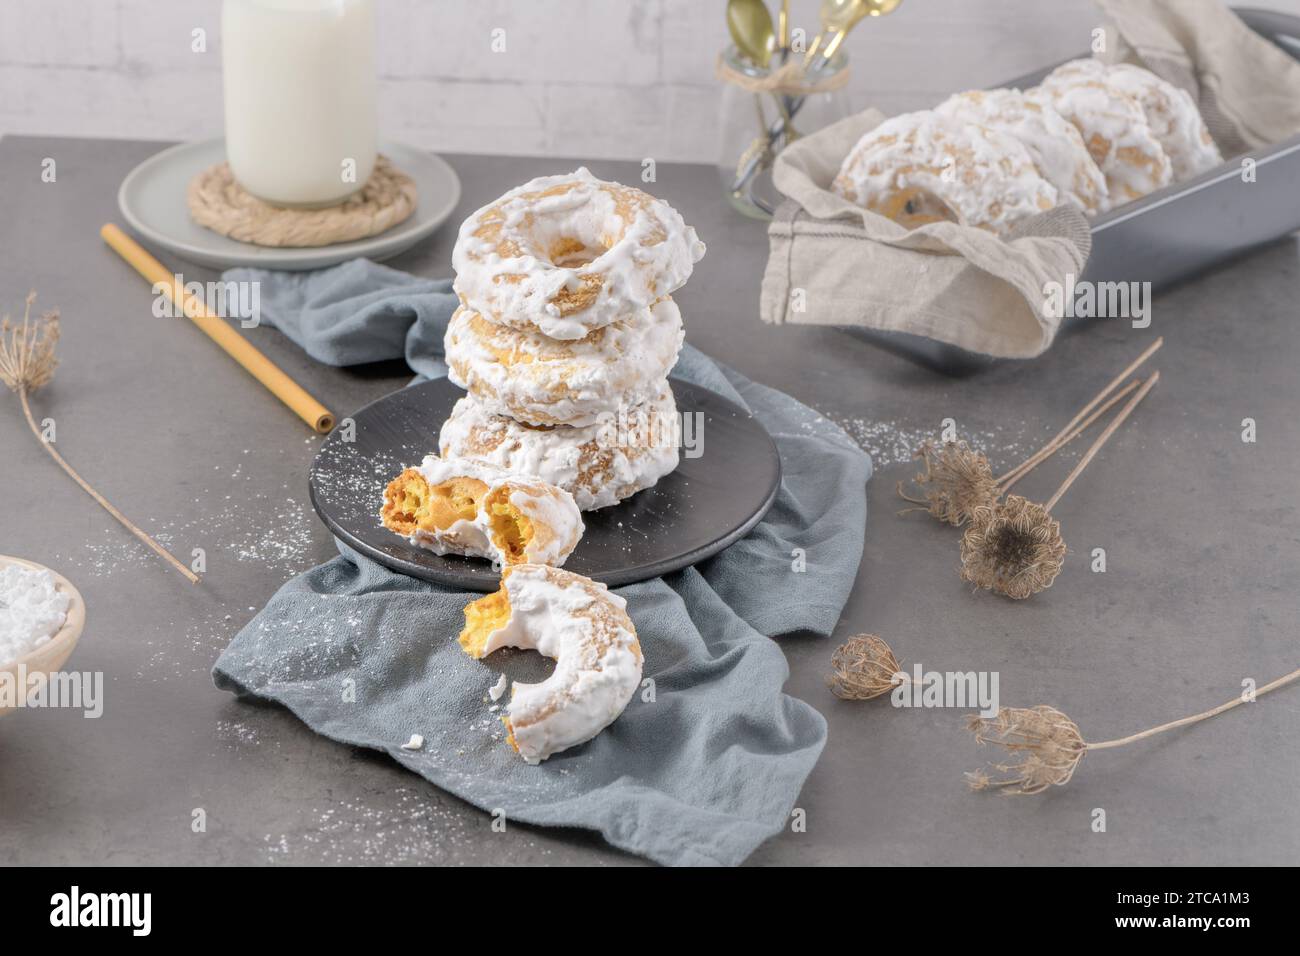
<point>218,202</point>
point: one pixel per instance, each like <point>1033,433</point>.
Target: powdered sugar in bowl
<point>41,618</point>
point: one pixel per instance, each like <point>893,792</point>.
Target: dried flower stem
<point>1049,745</point>
<point>26,363</point>
<point>1102,438</point>
<point>1007,481</point>
<point>103,502</point>
<point>1060,438</point>
<point>1014,546</point>
<point>1196,718</point>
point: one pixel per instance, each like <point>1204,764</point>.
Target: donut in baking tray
<point>600,465</point>
<point>924,167</point>
<point>1114,128</point>
<point>1054,143</point>
<point>568,254</point>
<point>478,510</point>
<point>1174,119</point>
<point>585,629</point>
<point>544,381</point>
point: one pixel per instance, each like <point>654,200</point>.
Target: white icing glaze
<point>1114,128</point>
<point>597,464</point>
<point>1053,142</point>
<point>642,251</point>
<point>1173,117</point>
<point>975,175</point>
<point>557,522</point>
<point>543,381</point>
<point>555,516</point>
<point>597,658</point>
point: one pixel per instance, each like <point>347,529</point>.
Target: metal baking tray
<point>1173,233</point>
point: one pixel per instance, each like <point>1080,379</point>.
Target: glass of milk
<point>300,92</point>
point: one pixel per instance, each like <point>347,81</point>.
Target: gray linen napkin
<point>706,763</point>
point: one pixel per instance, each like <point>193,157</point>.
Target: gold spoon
<point>751,30</point>
<point>839,17</point>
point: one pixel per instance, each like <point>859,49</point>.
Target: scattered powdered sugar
<point>416,826</point>
<point>32,609</point>
<point>218,524</point>
<point>353,483</point>
<point>893,443</point>
<point>236,732</point>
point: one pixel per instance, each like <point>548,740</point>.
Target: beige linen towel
<point>833,263</point>
<point>1247,89</point>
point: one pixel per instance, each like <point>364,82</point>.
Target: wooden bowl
<point>51,655</point>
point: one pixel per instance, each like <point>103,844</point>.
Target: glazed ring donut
<point>478,510</point>
<point>1114,128</point>
<point>568,254</point>
<point>1053,142</point>
<point>597,464</point>
<point>922,167</point>
<point>585,629</point>
<point>545,381</point>
<point>1173,117</point>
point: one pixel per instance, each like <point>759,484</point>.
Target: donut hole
<point>510,528</point>
<point>914,206</point>
<point>570,252</point>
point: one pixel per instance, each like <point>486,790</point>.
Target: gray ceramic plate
<point>152,200</point>
<point>708,503</point>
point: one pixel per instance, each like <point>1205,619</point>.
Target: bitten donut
<point>585,629</point>
<point>568,254</point>
<point>1053,142</point>
<point>476,509</point>
<point>599,465</point>
<point>1114,128</point>
<point>924,167</point>
<point>546,381</point>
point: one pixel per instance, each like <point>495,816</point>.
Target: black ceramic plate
<point>708,503</point>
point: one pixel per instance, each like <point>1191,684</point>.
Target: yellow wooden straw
<point>237,347</point>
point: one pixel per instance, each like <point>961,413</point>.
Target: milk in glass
<point>300,93</point>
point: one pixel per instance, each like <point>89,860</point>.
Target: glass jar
<point>300,92</point>
<point>749,118</point>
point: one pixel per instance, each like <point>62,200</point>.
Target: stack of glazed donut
<point>1092,134</point>
<point>566,333</point>
<point>564,338</point>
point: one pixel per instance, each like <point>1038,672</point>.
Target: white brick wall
<point>586,78</point>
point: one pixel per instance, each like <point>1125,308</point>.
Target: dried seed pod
<point>1014,547</point>
<point>1047,742</point>
<point>864,667</point>
<point>956,481</point>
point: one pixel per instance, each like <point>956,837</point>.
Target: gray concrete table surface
<point>1201,533</point>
